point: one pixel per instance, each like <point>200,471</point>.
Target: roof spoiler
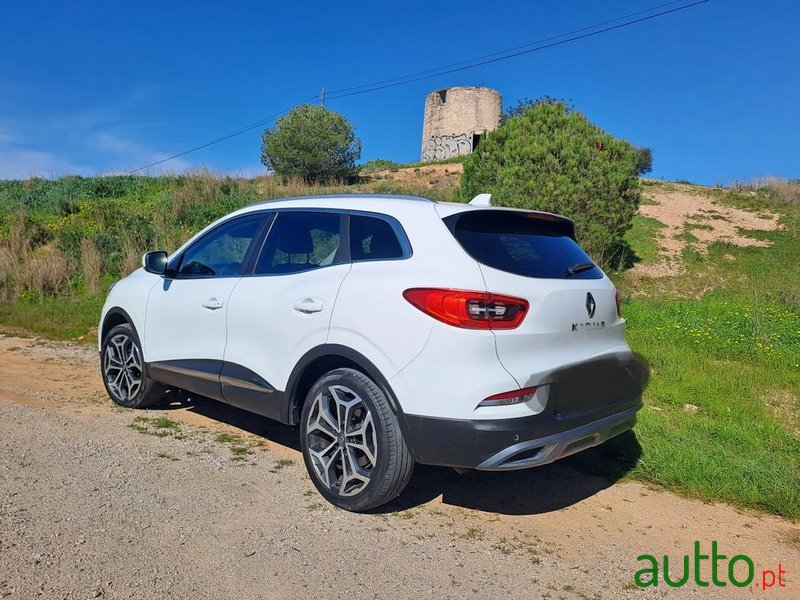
<point>481,200</point>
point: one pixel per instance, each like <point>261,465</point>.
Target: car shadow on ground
<point>530,491</point>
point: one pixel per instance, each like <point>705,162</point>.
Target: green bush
<point>313,143</point>
<point>380,164</point>
<point>549,157</point>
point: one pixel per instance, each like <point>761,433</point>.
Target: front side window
<point>300,241</point>
<point>372,238</point>
<point>221,252</point>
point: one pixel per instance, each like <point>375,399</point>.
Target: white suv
<point>390,329</point>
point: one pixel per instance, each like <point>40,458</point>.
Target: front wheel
<point>123,370</point>
<point>352,444</point>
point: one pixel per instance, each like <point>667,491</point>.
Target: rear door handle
<point>212,304</point>
<point>308,305</point>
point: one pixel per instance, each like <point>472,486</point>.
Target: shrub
<point>313,143</point>
<point>550,157</point>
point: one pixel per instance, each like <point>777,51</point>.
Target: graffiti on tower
<point>439,147</point>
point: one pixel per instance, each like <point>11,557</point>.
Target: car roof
<point>390,204</point>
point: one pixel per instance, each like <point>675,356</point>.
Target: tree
<point>548,156</point>
<point>644,160</point>
<point>311,142</point>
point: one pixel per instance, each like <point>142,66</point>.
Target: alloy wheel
<point>122,367</point>
<point>341,440</point>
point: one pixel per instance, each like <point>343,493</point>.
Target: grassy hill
<point>712,301</point>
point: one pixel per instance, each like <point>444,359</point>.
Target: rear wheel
<point>123,370</point>
<point>352,444</point>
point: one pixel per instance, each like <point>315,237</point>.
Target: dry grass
<point>19,235</point>
<point>23,268</point>
<point>45,270</point>
<point>8,269</point>
<point>783,191</point>
<point>273,187</point>
<point>91,265</point>
<point>132,250</point>
<point>203,186</point>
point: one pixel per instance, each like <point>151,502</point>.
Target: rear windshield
<point>525,244</point>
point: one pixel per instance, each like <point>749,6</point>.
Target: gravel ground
<point>197,500</point>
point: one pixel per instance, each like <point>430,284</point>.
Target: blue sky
<point>103,86</point>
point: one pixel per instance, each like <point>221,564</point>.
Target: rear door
<point>283,308</point>
<point>573,314</point>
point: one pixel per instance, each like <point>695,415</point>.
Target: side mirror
<point>155,262</point>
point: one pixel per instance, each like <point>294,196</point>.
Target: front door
<point>185,326</point>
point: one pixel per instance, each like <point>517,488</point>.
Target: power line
<point>227,136</point>
<point>377,87</point>
<point>435,70</point>
<point>498,56</point>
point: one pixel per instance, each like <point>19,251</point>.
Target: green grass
<point>739,363</point>
<point>240,452</point>
<point>724,337</point>
<point>165,423</point>
<point>281,463</point>
<point>240,449</point>
<point>642,237</point>
<point>60,318</point>
<point>228,438</point>
<point>444,161</point>
<point>157,426</point>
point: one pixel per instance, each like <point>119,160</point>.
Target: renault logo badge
<point>591,305</point>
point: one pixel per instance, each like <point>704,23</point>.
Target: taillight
<point>513,397</point>
<point>618,298</point>
<point>470,310</point>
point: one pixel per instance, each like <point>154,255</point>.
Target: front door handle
<point>212,304</point>
<point>308,305</point>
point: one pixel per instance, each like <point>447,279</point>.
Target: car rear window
<point>527,244</point>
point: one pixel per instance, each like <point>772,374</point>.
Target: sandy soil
<point>93,507</point>
<point>709,222</point>
<point>437,175</point>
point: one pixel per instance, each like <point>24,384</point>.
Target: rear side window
<point>372,238</point>
<point>520,244</point>
<point>300,241</point>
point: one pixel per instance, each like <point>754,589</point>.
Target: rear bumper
<point>507,444</point>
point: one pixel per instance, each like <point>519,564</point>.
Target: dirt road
<point>211,502</point>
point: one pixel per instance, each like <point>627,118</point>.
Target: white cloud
<point>18,161</point>
<point>131,155</point>
<point>102,135</point>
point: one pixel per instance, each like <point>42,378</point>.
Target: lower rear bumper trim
<point>541,451</point>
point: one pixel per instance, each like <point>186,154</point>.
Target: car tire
<point>352,444</point>
<point>123,372</point>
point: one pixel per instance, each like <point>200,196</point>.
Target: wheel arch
<point>115,316</point>
<point>119,316</point>
<point>318,361</point>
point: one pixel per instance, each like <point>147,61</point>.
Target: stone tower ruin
<point>456,118</point>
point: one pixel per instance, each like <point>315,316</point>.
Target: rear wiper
<point>578,268</point>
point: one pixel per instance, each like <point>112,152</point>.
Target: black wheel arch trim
<point>292,404</point>
<point>104,329</point>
